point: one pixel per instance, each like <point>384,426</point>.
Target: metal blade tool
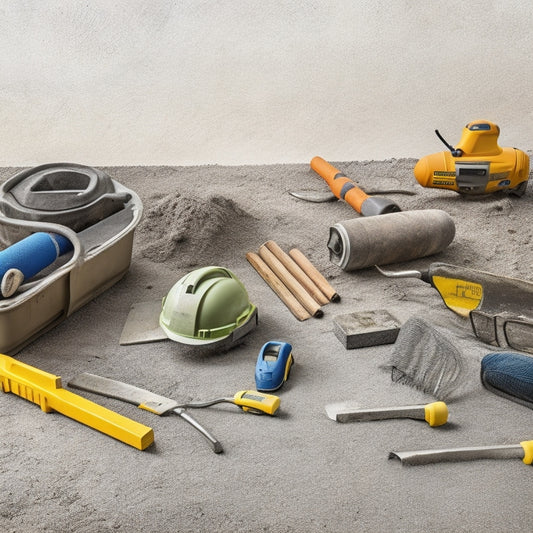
<point>142,398</point>
<point>523,451</point>
<point>435,413</point>
<point>464,290</point>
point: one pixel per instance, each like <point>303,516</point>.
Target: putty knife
<point>435,413</point>
<point>523,451</point>
<point>143,399</point>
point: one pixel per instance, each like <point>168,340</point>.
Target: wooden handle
<point>321,282</point>
<point>307,283</point>
<point>294,306</point>
<point>290,282</point>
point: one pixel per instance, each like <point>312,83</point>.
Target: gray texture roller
<point>391,238</point>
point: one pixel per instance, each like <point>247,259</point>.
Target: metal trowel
<point>435,413</point>
<point>464,290</point>
<point>523,451</point>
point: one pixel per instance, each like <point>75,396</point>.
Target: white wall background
<point>250,81</point>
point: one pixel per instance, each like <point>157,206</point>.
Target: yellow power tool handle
<point>45,390</point>
<point>251,400</point>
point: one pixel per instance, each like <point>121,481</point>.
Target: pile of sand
<point>180,228</point>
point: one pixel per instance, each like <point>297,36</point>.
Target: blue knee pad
<point>509,375</point>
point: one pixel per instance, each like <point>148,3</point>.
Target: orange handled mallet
<point>345,189</point>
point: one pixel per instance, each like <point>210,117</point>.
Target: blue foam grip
<point>510,375</point>
<point>33,253</point>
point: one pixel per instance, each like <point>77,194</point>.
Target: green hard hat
<point>206,306</point>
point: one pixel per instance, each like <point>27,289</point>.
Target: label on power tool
<point>460,295</point>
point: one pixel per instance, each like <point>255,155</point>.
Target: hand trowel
<point>464,290</point>
<point>435,413</point>
<point>523,451</point>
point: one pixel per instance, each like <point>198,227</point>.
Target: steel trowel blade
<point>334,409</point>
<point>142,325</point>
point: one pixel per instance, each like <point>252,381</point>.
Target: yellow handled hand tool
<point>248,400</point>
<point>345,189</point>
<point>251,401</point>
<point>523,451</point>
<point>464,290</point>
<point>45,390</point>
<point>435,413</point>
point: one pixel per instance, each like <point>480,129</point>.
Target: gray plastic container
<point>101,229</point>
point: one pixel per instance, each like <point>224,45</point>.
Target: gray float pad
<point>366,328</point>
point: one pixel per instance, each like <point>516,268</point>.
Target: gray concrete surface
<point>298,471</point>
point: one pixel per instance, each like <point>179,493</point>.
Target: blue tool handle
<point>33,253</point>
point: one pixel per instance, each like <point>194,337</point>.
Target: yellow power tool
<point>477,165</point>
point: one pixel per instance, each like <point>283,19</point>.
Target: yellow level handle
<point>46,390</point>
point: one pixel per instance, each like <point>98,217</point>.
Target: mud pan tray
<point>100,257</point>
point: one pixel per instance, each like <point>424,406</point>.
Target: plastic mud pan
<point>95,213</point>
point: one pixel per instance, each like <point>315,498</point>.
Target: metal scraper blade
<point>142,325</point>
<point>334,409</point>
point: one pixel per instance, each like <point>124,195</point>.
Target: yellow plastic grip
<point>436,413</point>
<point>258,402</point>
<point>528,451</point>
<point>46,391</point>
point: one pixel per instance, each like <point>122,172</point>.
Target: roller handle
<point>27,257</point>
<point>436,413</point>
<point>341,186</point>
<point>345,189</point>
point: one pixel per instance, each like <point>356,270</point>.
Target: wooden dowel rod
<point>294,306</point>
<point>314,274</point>
<point>290,282</point>
<point>290,264</point>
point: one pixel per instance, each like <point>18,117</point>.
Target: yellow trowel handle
<point>256,402</point>
<point>46,391</point>
<point>528,451</point>
<point>436,413</point>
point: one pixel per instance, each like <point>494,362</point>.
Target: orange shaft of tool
<point>341,186</point>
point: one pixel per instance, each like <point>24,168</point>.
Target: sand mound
<point>180,228</point>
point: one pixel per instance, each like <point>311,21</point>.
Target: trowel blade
<point>334,409</point>
<point>423,457</point>
<point>142,325</point>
